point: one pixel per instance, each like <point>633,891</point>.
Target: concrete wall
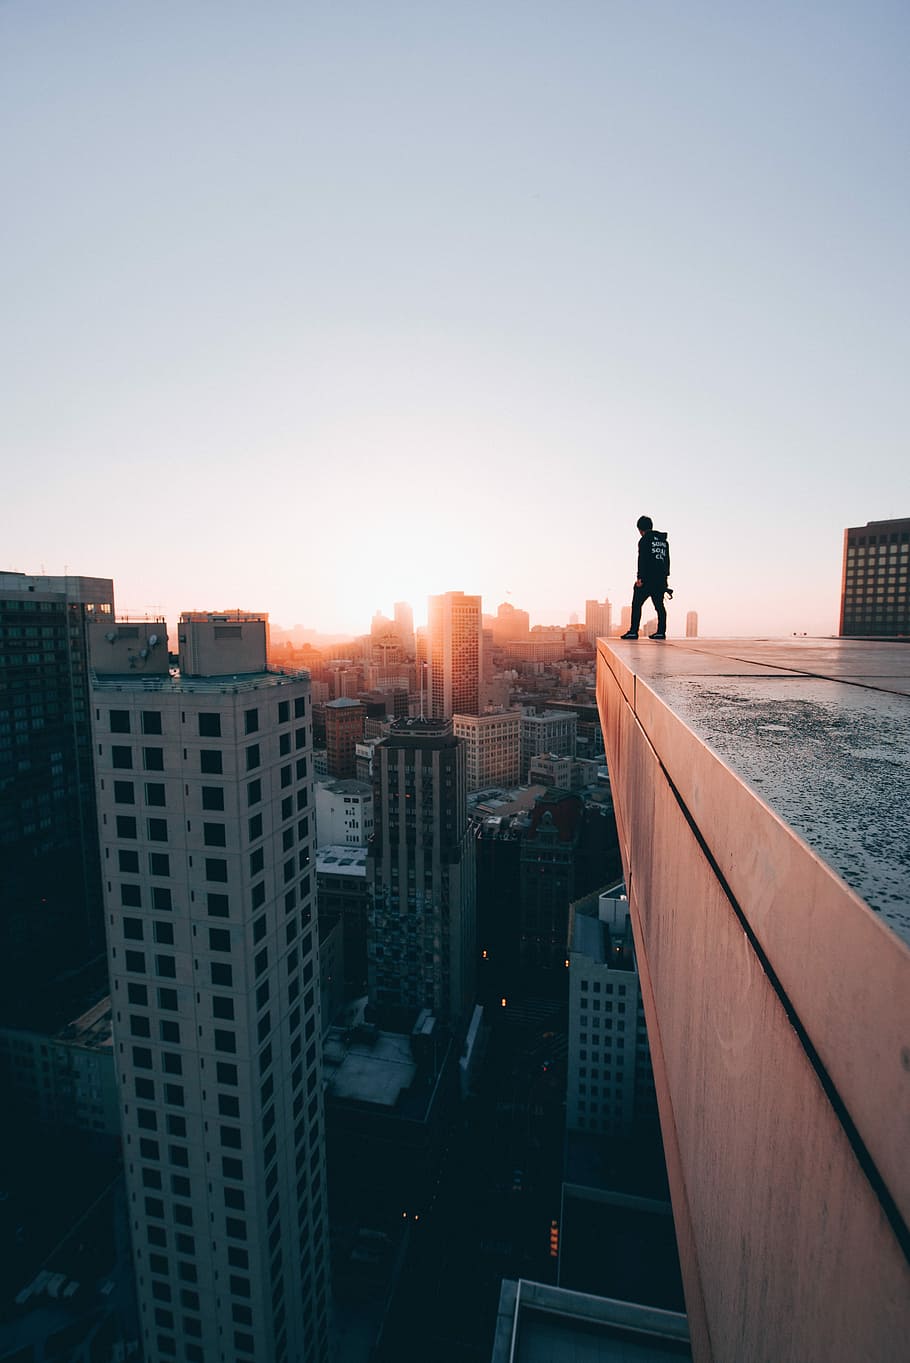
<point>777,1008</point>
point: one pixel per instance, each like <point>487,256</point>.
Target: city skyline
<point>509,283</point>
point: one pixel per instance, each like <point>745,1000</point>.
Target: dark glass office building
<point>51,925</point>
<point>874,596</point>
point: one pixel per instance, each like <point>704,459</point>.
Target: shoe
<point>632,634</point>
<point>658,635</point>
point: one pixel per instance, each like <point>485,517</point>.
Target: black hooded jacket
<point>654,558</point>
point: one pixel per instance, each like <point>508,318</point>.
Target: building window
<point>209,726</point>
<point>216,869</point>
<point>128,861</point>
<point>250,721</point>
<point>122,758</point>
<point>153,759</point>
<point>214,835</point>
<point>157,830</point>
<point>131,896</point>
<point>252,757</point>
<point>219,939</point>
<point>120,721</point>
<point>212,797</point>
<point>217,905</point>
<point>159,864</point>
<point>124,793</point>
<point>254,792</point>
<point>161,898</point>
<point>135,962</point>
<point>210,763</point>
<point>154,794</point>
<point>151,721</point>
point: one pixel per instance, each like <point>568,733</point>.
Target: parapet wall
<point>778,1010</point>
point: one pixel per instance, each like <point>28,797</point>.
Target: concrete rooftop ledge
<point>761,791</point>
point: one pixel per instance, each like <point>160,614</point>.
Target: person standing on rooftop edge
<point>653,571</point>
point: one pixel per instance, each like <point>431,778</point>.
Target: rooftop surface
<point>376,1069</point>
<point>819,729</point>
<point>175,682</point>
<point>538,1324</point>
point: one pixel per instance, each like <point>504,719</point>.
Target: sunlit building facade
<point>492,748</point>
<point>597,620</point>
<point>204,793</point>
<point>454,655</point>
<point>343,731</point>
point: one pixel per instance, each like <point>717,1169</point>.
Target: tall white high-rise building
<point>454,654</point>
<point>597,620</point>
<point>204,788</point>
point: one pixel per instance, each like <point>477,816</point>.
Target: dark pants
<point>640,596</point>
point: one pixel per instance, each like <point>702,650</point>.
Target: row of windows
<point>209,724</point>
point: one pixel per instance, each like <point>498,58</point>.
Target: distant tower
<point>404,622</point>
<point>343,731</point>
<point>597,620</point>
<point>510,624</point>
<point>625,618</point>
<point>875,592</point>
<point>51,917</point>
<point>204,784</point>
<point>455,654</point>
<point>421,866</point>
<point>692,625</point>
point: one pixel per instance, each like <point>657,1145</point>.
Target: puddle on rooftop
<point>834,762</point>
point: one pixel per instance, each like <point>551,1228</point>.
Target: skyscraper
<point>597,620</point>
<point>874,587</point>
<point>204,806</point>
<point>454,654</point>
<point>343,731</point>
<point>404,622</point>
<point>692,625</point>
<point>421,866</point>
<point>50,884</point>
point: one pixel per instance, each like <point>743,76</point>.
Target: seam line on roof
<point>866,1162</point>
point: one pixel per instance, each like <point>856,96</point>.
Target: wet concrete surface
<point>820,730</point>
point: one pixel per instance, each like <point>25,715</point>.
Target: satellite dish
<point>111,636</point>
<point>153,639</point>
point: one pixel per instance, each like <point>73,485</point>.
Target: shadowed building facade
<point>421,945</point>
<point>875,592</point>
<point>51,918</point>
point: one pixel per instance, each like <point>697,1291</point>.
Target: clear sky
<point>309,307</point>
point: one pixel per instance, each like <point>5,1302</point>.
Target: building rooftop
<point>343,703</point>
<point>539,1324</point>
<point>820,730</point>
<point>175,682</point>
<point>372,1067</point>
<point>345,785</point>
<point>342,861</point>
